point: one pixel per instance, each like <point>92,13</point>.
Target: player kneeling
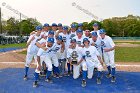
<point>74,55</point>
<point>93,59</point>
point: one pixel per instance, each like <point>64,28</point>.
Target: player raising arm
<point>32,49</point>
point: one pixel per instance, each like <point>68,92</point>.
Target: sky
<point>68,11</point>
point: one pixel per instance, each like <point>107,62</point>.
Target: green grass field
<point>128,42</point>
<point>21,45</point>
<point>127,54</point>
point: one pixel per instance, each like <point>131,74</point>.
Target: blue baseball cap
<point>79,31</point>
<point>54,24</point>
<point>50,40</point>
<point>65,28</point>
<point>73,25</point>
<point>80,24</point>
<point>95,24</point>
<point>73,40</point>
<point>59,37</point>
<point>94,33</point>
<point>38,28</point>
<point>51,32</point>
<point>59,24</point>
<point>46,25</point>
<point>85,39</point>
<point>102,31</point>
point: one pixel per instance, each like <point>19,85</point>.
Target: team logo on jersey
<point>103,44</point>
<point>56,49</point>
<point>72,35</point>
<point>96,45</point>
<point>64,39</point>
<point>88,54</point>
<point>79,42</point>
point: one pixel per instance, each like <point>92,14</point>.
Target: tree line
<point>128,26</point>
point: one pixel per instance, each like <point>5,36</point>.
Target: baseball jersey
<point>98,32</point>
<point>72,34</point>
<point>32,48</point>
<point>56,48</point>
<point>79,41</point>
<point>90,54</point>
<point>97,43</point>
<point>43,52</point>
<point>42,41</point>
<point>78,51</point>
<point>107,42</point>
<point>66,39</point>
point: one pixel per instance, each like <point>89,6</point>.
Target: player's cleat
<point>68,73</point>
<point>95,69</point>
<point>25,77</point>
<point>41,74</point>
<point>54,75</point>
<point>44,73</point>
<point>60,75</point>
<point>98,81</point>
<point>48,80</point>
<point>35,84</point>
<point>57,76</point>
<point>83,83</point>
<point>108,75</point>
<point>113,79</point>
<point>102,75</point>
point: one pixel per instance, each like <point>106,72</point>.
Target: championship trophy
<point>74,57</point>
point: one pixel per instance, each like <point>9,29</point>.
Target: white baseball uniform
<point>91,59</point>
<point>32,50</point>
<point>97,44</point>
<point>107,42</point>
<point>76,68</point>
<point>66,40</point>
<point>72,34</point>
<point>79,41</point>
<point>98,32</point>
<point>47,59</point>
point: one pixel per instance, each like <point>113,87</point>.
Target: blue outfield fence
<point>9,49</point>
<point>126,38</point>
<point>11,81</point>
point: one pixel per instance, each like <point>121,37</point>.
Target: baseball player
<point>59,27</point>
<point>66,40</point>
<point>48,61</point>
<point>87,34</point>
<point>95,40</point>
<point>108,50</point>
<point>54,27</point>
<point>96,28</point>
<point>61,58</point>
<point>39,43</point>
<point>79,37</point>
<point>44,36</point>
<point>93,59</point>
<point>73,31</point>
<point>80,61</point>
<point>32,49</point>
<point>80,25</point>
<point>56,52</point>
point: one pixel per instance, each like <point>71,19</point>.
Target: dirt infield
<point>127,45</point>
<point>13,59</point>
